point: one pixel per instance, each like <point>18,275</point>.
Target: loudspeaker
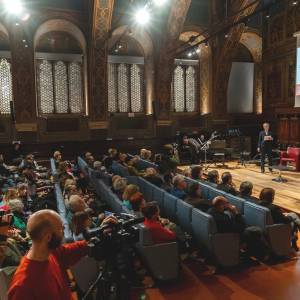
<point>12,111</point>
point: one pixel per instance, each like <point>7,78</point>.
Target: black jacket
<point>277,216</point>
<point>227,188</point>
<point>226,223</point>
<point>262,143</point>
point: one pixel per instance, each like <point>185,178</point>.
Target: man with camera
<point>42,271</point>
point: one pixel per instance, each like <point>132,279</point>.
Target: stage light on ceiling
<point>25,17</point>
<point>198,50</point>
<point>14,7</point>
<point>159,2</point>
<point>190,54</point>
<point>142,16</point>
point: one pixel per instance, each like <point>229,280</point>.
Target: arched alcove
<point>135,47</point>
<point>61,68</point>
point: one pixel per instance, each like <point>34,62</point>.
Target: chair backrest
<point>203,226</point>
<point>293,152</point>
<point>145,237</point>
<point>170,206</point>
<point>158,195</point>
<point>256,215</point>
<point>184,215</point>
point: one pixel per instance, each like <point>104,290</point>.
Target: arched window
<point>185,86</point>
<point>5,73</point>
<point>126,78</point>
<point>59,70</point>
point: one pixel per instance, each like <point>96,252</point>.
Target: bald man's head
<point>220,203</point>
<point>45,226</point>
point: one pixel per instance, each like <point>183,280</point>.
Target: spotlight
<point>120,46</point>
<point>142,16</point>
<point>25,17</point>
<point>198,50</point>
<point>294,2</point>
<point>159,2</point>
<point>17,24</point>
<point>14,7</point>
<point>226,36</point>
<point>190,54</point>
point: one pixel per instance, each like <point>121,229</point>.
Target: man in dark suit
<point>265,145</point>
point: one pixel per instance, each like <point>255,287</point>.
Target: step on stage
<point>287,194</point>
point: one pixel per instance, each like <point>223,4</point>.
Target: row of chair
<point>278,235</point>
<point>161,259</point>
<point>61,208</point>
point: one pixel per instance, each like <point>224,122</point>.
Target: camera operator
<point>42,272</point>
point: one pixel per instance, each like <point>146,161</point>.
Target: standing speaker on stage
<point>265,146</point>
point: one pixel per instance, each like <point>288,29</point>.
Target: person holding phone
<point>265,146</point>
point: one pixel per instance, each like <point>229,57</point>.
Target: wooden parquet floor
<point>287,194</point>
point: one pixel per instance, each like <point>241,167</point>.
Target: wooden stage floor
<point>287,194</point>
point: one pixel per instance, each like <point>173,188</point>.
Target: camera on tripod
<point>105,241</point>
<point>114,244</point>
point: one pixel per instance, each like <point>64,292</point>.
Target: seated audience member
<point>179,187</point>
<point>197,173</point>
<point>16,153</point>
<point>246,188</point>
<point>131,166</point>
<point>168,162</point>
<point>129,191</point>
<point>108,160</point>
<point>57,158</point>
<point>167,183</point>
<point>159,233</point>
<point>119,186</point>
<point>10,252</point>
<point>81,221</point>
<point>145,154</point>
<point>266,199</point>
<point>194,198</point>
<point>227,185</point>
<point>186,172</point>
<point>122,158</point>
<point>213,178</point>
<point>28,163</point>
<point>76,203</point>
<point>228,222</point>
<point>19,219</point>
<point>152,176</point>
<point>90,161</point>
<point>137,203</point>
<point>23,196</point>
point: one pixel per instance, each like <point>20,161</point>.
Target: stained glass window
<point>5,86</point>
<point>60,87</point>
<point>125,87</point>
<point>184,88</point>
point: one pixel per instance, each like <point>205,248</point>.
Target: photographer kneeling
<point>42,271</point>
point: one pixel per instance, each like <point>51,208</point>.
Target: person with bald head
<point>226,216</point>
<point>42,271</point>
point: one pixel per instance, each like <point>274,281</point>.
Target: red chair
<point>291,155</point>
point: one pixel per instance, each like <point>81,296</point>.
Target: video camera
<point>109,240</point>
